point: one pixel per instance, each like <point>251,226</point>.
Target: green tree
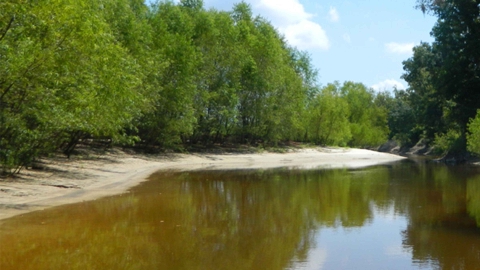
<point>473,135</point>
<point>271,89</point>
<point>192,4</point>
<point>402,120</point>
<point>457,39</point>
<point>216,99</point>
<point>328,122</point>
<point>123,72</point>
<point>172,118</point>
<point>64,75</point>
<point>428,104</point>
<point>368,122</point>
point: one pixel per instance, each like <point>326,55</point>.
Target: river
<point>403,215</point>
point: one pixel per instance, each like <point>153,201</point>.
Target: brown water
<point>401,216</point>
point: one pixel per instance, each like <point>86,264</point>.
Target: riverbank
<point>88,177</point>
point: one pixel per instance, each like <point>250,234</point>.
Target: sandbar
<point>82,178</point>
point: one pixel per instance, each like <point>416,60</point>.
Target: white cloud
<point>291,19</point>
<point>401,48</point>
<point>333,14</point>
<point>307,35</point>
<point>388,85</point>
<point>347,38</point>
<point>283,11</point>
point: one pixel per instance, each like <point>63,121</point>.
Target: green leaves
<point>443,76</point>
<point>230,76</point>
<point>328,119</point>
<point>347,115</point>
<point>162,75</point>
<point>64,72</point>
<point>473,135</point>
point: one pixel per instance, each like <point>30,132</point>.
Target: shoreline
<point>66,181</point>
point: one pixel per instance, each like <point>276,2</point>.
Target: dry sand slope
<point>79,179</point>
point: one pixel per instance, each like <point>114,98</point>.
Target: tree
<point>216,100</point>
<point>368,122</point>
<point>167,74</point>
<point>328,122</point>
<point>193,4</point>
<point>172,117</point>
<point>402,120</point>
<point>64,75</point>
<point>429,105</point>
<point>457,39</point>
<point>473,135</point>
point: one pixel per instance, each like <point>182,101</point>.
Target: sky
<point>348,40</point>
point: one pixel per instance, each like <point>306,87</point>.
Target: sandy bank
<point>79,179</point>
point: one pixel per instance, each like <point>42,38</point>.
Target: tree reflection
<point>199,220</point>
<point>250,219</point>
<point>473,198</point>
<point>442,209</point>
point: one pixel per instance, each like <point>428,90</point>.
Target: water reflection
<point>443,214</point>
<point>401,216</point>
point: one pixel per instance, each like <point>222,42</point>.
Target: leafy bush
<point>473,135</point>
<point>449,141</point>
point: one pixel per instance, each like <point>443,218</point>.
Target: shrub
<point>473,135</point>
<point>449,141</point>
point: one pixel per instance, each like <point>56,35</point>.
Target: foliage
<point>473,135</point>
<point>402,120</point>
<point>173,111</point>
<point>55,84</point>
<point>328,122</point>
<point>347,114</point>
<point>216,100</point>
<point>162,76</point>
<point>449,141</point>
<point>443,76</point>
<point>368,122</point>
<point>427,103</point>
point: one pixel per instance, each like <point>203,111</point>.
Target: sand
<point>81,178</point>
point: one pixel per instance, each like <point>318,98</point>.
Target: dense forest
<point>163,76</point>
<point>440,105</point>
<point>166,75</point>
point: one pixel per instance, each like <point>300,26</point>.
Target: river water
<point>405,215</point>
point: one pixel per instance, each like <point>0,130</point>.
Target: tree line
<point>163,75</point>
<point>441,103</point>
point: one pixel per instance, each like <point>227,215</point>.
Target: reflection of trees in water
<point>447,248</point>
<point>473,198</point>
<point>275,214</point>
<point>249,219</point>
<point>442,208</point>
<point>201,220</point>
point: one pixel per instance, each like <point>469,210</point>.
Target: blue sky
<point>348,40</point>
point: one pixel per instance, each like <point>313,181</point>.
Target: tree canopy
<point>444,76</point>
<point>163,75</point>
